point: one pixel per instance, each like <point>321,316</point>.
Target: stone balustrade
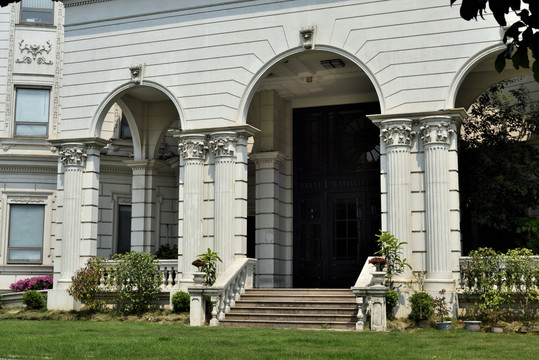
<point>168,268</point>
<point>228,288</point>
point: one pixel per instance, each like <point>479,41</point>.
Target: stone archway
<point>300,80</point>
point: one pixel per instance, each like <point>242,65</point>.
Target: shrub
<point>136,279</point>
<point>392,300</point>
<point>391,250</point>
<point>166,251</point>
<point>85,285</point>
<point>181,302</point>
<point>0,301</point>
<point>35,283</point>
<point>422,305</point>
<point>33,300</point>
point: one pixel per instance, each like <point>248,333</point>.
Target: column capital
<point>397,132</point>
<point>273,157</point>
<point>223,144</point>
<point>193,146</point>
<point>436,130</point>
<point>73,155</point>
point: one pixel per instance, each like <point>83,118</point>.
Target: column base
<point>61,300</point>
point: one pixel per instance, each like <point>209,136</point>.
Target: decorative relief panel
<point>34,52</point>
<point>223,144</point>
<point>11,59</point>
<point>394,134</point>
<point>193,147</point>
<point>73,155</point>
<point>435,133</point>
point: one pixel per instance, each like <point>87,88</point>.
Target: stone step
<point>294,308</point>
<point>323,319</point>
<point>295,303</point>
<point>290,324</point>
<point>322,310</point>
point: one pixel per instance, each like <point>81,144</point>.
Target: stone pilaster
<point>268,227</point>
<point>192,149</point>
<point>435,133</point>
<point>223,148</point>
<point>397,135</point>
<point>143,202</point>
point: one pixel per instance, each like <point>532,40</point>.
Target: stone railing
<point>371,298</point>
<point>228,288</point>
<point>167,269</point>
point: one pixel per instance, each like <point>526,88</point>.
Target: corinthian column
<point>192,149</point>
<point>397,137</point>
<point>435,133</point>
<point>67,252</point>
<point>223,147</point>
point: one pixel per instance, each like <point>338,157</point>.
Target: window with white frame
<point>32,112</point>
<point>26,233</point>
<point>37,12</point>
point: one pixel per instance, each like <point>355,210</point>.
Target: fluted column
<point>73,161</point>
<point>397,136</point>
<point>435,133</point>
<point>223,147</point>
<point>192,150</point>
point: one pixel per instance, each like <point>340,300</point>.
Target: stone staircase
<point>294,308</point>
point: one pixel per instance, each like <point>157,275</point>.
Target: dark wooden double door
<point>336,193</point>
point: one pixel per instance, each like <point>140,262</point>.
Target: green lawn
<point>47,339</point>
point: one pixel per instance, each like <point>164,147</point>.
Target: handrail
<point>224,293</point>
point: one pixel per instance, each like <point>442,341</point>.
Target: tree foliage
<point>519,38</point>
<point>499,171</point>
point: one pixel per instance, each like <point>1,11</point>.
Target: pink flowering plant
<point>35,283</point>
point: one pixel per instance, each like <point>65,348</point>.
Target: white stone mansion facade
<point>286,130</point>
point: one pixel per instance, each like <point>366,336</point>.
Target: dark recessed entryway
<point>336,193</point>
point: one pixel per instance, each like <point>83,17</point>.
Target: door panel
<point>336,193</point>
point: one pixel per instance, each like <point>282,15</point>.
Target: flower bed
<point>35,283</point>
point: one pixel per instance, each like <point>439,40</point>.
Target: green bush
<point>0,301</point>
<point>392,300</point>
<point>422,305</point>
<point>135,278</point>
<point>85,285</point>
<point>181,302</point>
<point>33,300</point>
<point>166,251</point>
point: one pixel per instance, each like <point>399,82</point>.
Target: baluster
<point>360,316</point>
<point>214,303</point>
<point>237,289</point>
<point>221,314</point>
<point>173,277</point>
<point>243,276</point>
<point>165,278</point>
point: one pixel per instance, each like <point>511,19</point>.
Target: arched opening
<point>496,156</point>
<point>138,203</point>
<point>314,179</point>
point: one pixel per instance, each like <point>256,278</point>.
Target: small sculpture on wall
<point>137,73</point>
<point>34,53</point>
<point>307,34</point>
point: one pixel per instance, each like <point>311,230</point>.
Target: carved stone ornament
<point>34,53</point>
<point>73,155</point>
<point>137,73</point>
<point>307,34</point>
<point>193,148</point>
<point>435,133</point>
<point>397,134</point>
<point>223,144</point>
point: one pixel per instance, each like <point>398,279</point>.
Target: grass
<point>113,339</point>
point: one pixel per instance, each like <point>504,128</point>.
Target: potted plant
<point>422,305</point>
<point>378,262</point>
<point>442,311</point>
